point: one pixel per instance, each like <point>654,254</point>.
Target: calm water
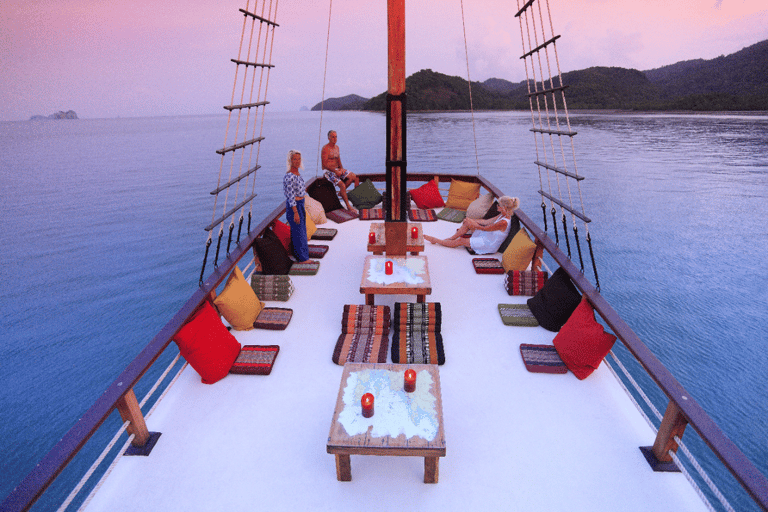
<point>102,241</point>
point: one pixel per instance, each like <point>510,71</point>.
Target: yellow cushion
<point>461,194</point>
<point>238,303</point>
<point>519,252</point>
<point>311,228</point>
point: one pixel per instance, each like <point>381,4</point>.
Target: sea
<point>102,241</point>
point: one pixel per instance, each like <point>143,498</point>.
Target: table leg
<point>344,468</point>
<point>370,298</point>
<point>420,298</point>
<point>431,469</point>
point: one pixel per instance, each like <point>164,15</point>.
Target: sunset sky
<point>141,58</point>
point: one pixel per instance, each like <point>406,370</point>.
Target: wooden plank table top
<point>413,245</point>
<point>371,288</point>
<point>342,444</point>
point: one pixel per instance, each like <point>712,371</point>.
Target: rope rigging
<point>546,98</point>
<point>243,120</point>
<point>322,99</point>
<point>469,82</point>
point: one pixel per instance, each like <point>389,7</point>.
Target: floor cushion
<point>517,315</point>
<point>325,234</point>
<point>238,303</point>
<point>365,317</point>
<point>461,194</point>
<point>542,359</point>
<point>317,251</point>
<point>417,347</point>
<point>420,215</point>
<point>324,192</point>
<point>452,214</point>
<point>207,345</point>
<point>272,255</point>
<point>341,215</point>
<point>255,360</point>
<point>307,268</point>
<point>364,195</point>
<point>361,347</point>
<point>427,196</point>
<point>274,319</point>
<point>372,214</point>
<point>555,302</point>
<point>487,266</point>
<point>519,254</point>
<point>582,343</point>
<point>271,287</point>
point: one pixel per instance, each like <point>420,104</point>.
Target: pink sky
<point>141,58</point>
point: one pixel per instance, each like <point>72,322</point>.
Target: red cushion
<point>283,232</point>
<point>207,345</point>
<point>427,196</point>
<point>582,343</point>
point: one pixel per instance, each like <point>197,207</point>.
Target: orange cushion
<point>519,253</point>
<point>207,345</point>
<point>238,303</point>
<point>427,196</point>
<point>461,194</point>
<point>582,343</point>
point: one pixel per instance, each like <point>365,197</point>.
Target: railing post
<point>130,410</point>
<point>672,425</point>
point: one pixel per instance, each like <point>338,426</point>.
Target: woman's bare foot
<point>431,239</point>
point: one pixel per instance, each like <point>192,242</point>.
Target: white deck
<point>515,440</point>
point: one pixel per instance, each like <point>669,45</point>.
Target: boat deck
<point>514,440</point>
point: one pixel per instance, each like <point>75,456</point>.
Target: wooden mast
<point>397,212</point>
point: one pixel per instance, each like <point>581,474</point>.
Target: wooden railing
<point>681,410</point>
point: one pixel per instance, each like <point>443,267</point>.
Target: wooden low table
<point>371,288</point>
<point>413,245</point>
<point>394,411</point>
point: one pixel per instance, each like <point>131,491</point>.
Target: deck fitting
<point>147,448</point>
<point>656,464</point>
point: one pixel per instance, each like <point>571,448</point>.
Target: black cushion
<point>325,193</point>
<point>272,254</point>
<point>555,302</point>
<point>492,211</point>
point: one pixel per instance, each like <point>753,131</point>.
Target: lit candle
<point>388,267</point>
<point>414,232</point>
<point>367,402</point>
<point>410,381</point>
<point>371,238</point>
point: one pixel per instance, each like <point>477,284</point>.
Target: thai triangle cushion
<point>555,302</point>
<point>461,194</point>
<point>207,345</point>
<point>582,343</point>
<point>238,303</point>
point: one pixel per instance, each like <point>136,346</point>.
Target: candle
<point>388,267</point>
<point>367,402</point>
<point>371,238</point>
<point>410,381</point>
<point>414,232</point>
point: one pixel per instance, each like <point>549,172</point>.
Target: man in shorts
<point>334,171</point>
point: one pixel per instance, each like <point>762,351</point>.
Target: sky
<point>131,58</point>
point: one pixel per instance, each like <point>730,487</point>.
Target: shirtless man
<point>334,171</point>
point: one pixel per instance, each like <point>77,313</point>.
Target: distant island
<point>69,114</point>
<point>728,83</point>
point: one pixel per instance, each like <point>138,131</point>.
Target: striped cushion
<point>339,216</point>
<point>308,268</point>
<point>275,319</point>
<point>428,315</point>
<point>452,215</point>
<point>361,347</point>
<point>372,214</point>
<point>524,282</point>
<point>487,266</point>
<point>325,233</point>
<point>317,251</point>
<point>272,287</point>
<point>417,347</point>
<point>421,215</point>
<point>542,359</point>
<point>517,315</point>
<point>365,318</point>
<point>255,360</point>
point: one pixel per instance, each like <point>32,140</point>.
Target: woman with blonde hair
<point>295,189</point>
<point>487,234</point>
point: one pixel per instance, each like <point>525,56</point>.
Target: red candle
<point>371,238</point>
<point>367,402</point>
<point>410,381</point>
<point>388,267</point>
<point>414,232</point>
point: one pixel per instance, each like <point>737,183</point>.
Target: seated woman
<point>487,234</point>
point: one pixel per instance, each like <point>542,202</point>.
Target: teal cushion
<point>364,195</point>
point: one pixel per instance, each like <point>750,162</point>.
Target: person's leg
<point>299,233</point>
<point>448,242</point>
<point>343,190</point>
